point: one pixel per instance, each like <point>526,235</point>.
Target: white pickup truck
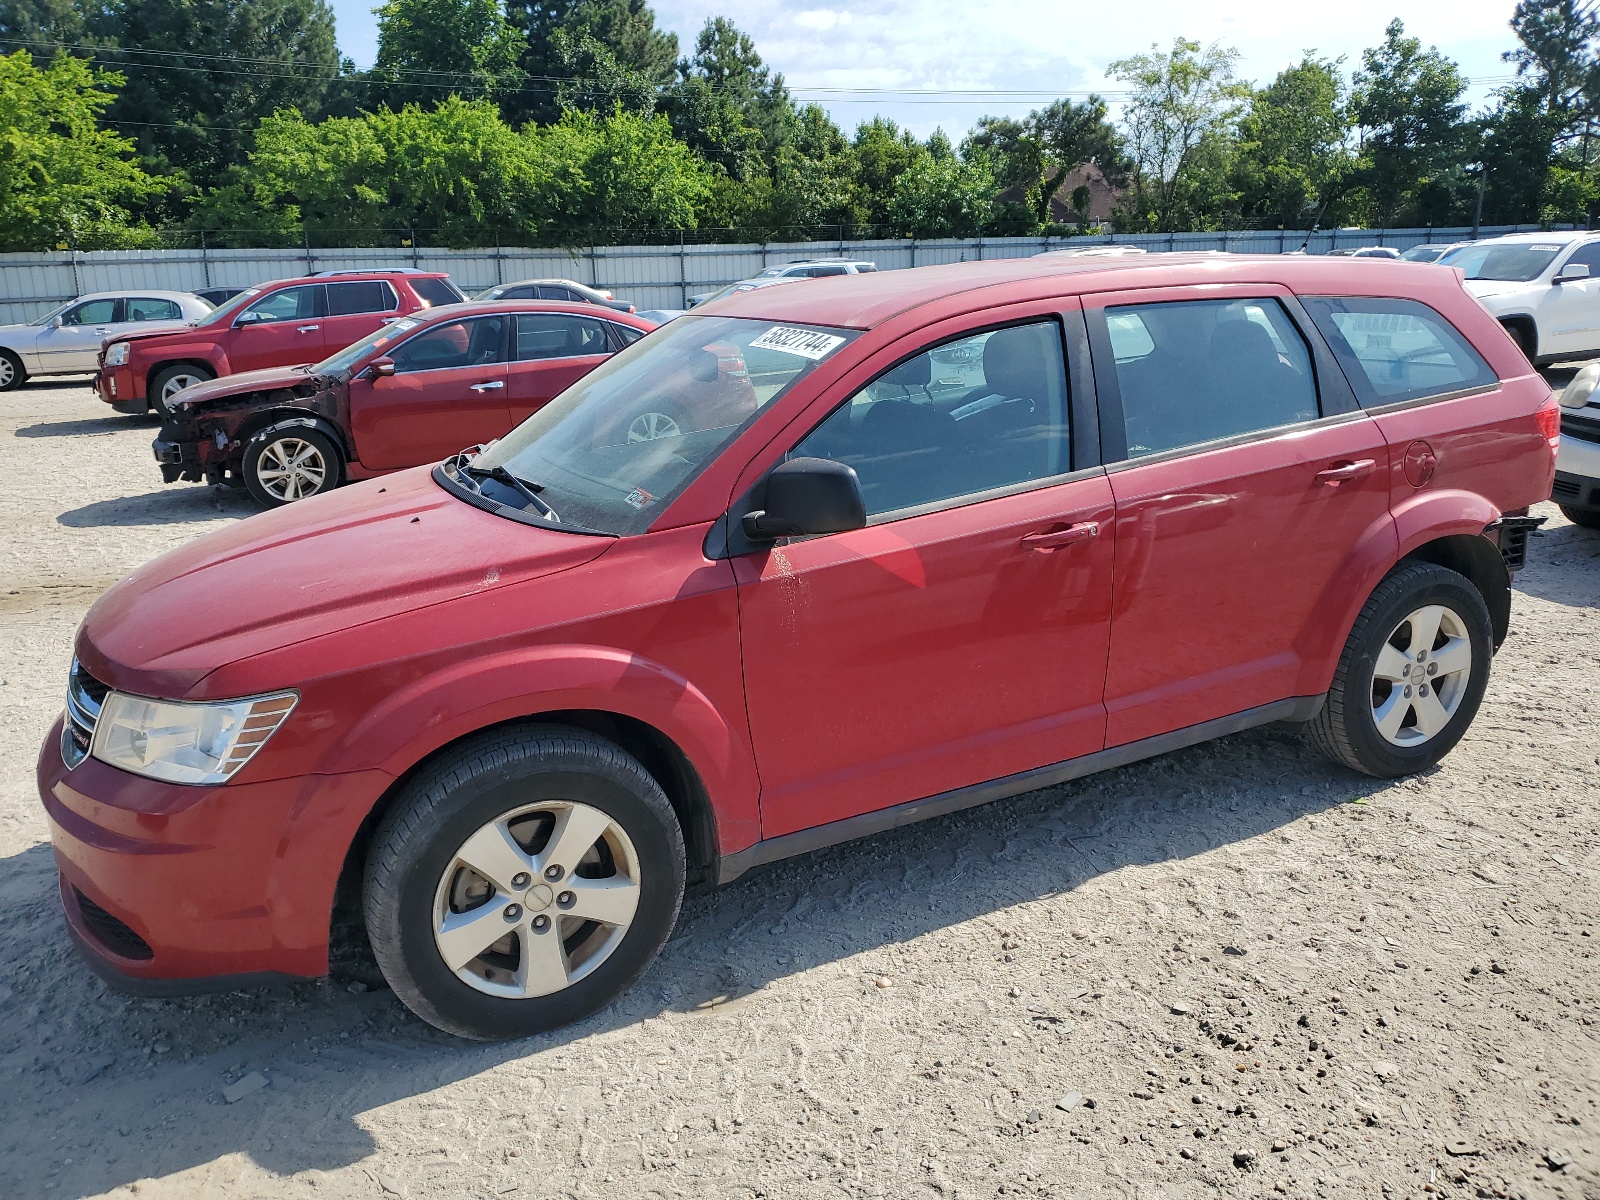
<point>1544,288</point>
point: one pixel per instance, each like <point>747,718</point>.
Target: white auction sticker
<point>1541,246</point>
<point>806,343</point>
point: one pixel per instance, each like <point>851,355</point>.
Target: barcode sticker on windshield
<point>805,343</point>
<point>1543,247</point>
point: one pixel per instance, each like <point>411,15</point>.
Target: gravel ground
<point>1232,970</point>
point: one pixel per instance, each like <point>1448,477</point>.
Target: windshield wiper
<point>527,487</point>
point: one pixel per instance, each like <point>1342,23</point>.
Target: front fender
<point>475,693</point>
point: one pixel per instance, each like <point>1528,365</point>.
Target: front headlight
<point>116,354</point>
<point>186,743</point>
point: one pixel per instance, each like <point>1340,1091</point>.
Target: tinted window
<point>626,334</point>
<point>472,343</point>
<point>819,272</point>
<point>148,308</point>
<point>92,312</point>
<point>368,296</point>
<point>1195,371</point>
<point>518,293</point>
<point>1514,262</point>
<point>434,291</point>
<point>552,335</point>
<point>290,304</point>
<point>987,411</point>
<point>1587,255</point>
<point>1396,350</point>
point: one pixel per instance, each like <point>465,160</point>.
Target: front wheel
<point>168,383</point>
<point>1587,517</point>
<point>1411,675</point>
<point>285,465</point>
<point>523,881</point>
<point>12,372</point>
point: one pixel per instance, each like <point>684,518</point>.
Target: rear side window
<point>1196,371</point>
<point>149,308</point>
<point>553,335</point>
<point>367,296</point>
<point>1397,350</point>
<point>435,291</point>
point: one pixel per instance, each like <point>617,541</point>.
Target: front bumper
<point>178,460</point>
<point>169,888</point>
<point>118,386</point>
<point>1577,482</point>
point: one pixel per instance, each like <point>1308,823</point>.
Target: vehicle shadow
<point>1549,550</point>
<point>139,1082</point>
<point>174,506</point>
<point>58,383</point>
<point>86,426</point>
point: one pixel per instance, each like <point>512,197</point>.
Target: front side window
<point>552,335</point>
<point>474,343</point>
<point>1396,350</point>
<point>1511,262</point>
<point>1194,371</point>
<point>148,308</point>
<point>289,304</point>
<point>1586,255</point>
<point>615,448</point>
<point>92,312</point>
<point>366,296</point>
<point>966,417</point>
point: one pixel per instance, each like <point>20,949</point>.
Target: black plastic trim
<point>731,866</point>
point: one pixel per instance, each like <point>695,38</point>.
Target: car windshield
<point>226,310</point>
<point>1511,262</point>
<point>614,449</point>
<point>1422,253</point>
<point>390,331</point>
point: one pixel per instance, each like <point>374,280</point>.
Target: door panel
<point>551,351</point>
<point>74,345</point>
<point>290,332</point>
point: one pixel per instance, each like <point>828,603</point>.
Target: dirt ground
<point>1233,970</point>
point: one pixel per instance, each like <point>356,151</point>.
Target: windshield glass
<point>1513,262</point>
<point>1422,254</point>
<point>225,312</point>
<point>391,331</point>
<point>614,449</point>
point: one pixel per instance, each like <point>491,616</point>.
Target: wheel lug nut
<point>1423,690</point>
<point>521,879</point>
<point>1422,655</point>
<point>1433,668</point>
<point>513,912</point>
<point>566,900</point>
<point>1408,689</point>
<point>1406,670</point>
<point>541,923</point>
<point>553,872</point>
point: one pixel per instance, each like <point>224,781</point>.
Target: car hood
<point>245,381</point>
<point>1488,289</point>
<point>343,559</point>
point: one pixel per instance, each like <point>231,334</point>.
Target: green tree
<point>727,103</point>
<point>1039,152</point>
<point>1415,141</point>
<point>883,152</point>
<point>635,53</point>
<point>1180,114</point>
<point>1293,156</point>
<point>636,178</point>
<point>940,194</point>
<point>62,177</point>
<point>430,49</point>
<point>33,24</point>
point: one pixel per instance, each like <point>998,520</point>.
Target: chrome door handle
<point>488,387</point>
<point>102,329</point>
<point>308,328</point>
<point>1055,539</point>
<point>1359,469</point>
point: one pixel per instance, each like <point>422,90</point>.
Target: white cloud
<point>821,19</point>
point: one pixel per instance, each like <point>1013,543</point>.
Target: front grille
<point>85,695</point>
<point>1578,427</point>
<point>111,933</point>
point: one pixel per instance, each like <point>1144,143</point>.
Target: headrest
<point>914,372</point>
<point>1242,343</point>
<point>1015,363</point>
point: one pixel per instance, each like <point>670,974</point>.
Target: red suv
<point>810,563</point>
<point>271,325</point>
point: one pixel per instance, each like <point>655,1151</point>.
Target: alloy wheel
<point>647,427</point>
<point>1421,675</point>
<point>174,385</point>
<point>8,373</point>
<point>292,468</point>
<point>536,899</point>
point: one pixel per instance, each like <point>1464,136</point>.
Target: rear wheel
<point>1411,675</point>
<point>12,372</point>
<point>522,882</point>
<point>169,382</point>
<point>284,465</point>
<point>1587,517</point>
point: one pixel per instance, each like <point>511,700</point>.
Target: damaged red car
<point>416,390</point>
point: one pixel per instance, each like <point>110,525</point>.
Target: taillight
<point>1548,418</point>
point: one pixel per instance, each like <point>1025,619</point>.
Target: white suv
<point>1544,288</point>
<point>801,268</point>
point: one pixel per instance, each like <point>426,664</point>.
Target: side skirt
<point>731,866</point>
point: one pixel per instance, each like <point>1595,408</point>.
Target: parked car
<point>554,289</point>
<point>800,268</point>
<point>762,582</point>
<point>1577,484</point>
<point>66,340</point>
<point>734,289</point>
<point>1430,252</point>
<point>1366,252</point>
<point>1543,287</point>
<point>411,392</point>
<point>660,316</point>
<point>217,296</point>
<point>274,324</point>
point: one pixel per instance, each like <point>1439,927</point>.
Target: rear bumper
<point>171,889</point>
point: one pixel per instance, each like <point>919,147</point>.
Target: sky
<point>945,63</point>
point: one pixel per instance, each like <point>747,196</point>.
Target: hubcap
<point>7,371</point>
<point>647,427</point>
<point>507,931</point>
<point>1421,675</point>
<point>176,384</point>
<point>292,468</point>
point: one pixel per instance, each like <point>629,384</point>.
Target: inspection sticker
<point>638,498</point>
<point>806,343</point>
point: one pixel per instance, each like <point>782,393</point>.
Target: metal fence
<point>649,276</point>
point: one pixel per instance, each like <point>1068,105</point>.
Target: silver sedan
<point>66,340</point>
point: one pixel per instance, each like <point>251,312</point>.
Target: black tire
<point>1587,517</point>
<point>168,375</point>
<point>1346,730</point>
<point>271,448</point>
<point>1523,337</point>
<point>12,373</point>
<point>486,777</point>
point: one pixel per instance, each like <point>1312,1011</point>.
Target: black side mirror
<point>807,495</point>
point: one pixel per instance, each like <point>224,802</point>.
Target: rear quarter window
<point>1397,350</point>
<point>436,291</point>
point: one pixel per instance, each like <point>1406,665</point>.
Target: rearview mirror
<point>382,368</point>
<point>1572,272</point>
<point>805,496</point>
<point>1576,394</point>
